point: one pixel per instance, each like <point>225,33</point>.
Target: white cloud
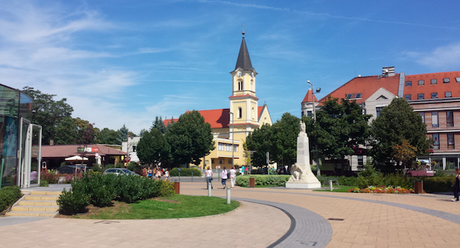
<point>446,57</point>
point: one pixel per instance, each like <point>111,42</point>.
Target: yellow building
<point>231,126</point>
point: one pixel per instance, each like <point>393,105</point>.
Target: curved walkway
<point>268,217</point>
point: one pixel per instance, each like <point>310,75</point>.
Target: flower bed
<point>382,189</point>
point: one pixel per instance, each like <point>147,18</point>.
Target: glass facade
<point>13,105</point>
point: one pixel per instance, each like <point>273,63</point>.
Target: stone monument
<point>301,175</point>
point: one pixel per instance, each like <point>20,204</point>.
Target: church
<point>231,126</point>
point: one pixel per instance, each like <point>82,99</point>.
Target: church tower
<point>243,101</point>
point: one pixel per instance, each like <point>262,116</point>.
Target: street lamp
<point>233,147</point>
<point>318,90</point>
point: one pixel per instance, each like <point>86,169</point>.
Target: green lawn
<point>175,206</point>
<point>338,189</point>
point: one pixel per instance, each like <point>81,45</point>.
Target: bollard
<point>228,195</point>
<point>177,187</point>
<point>330,184</point>
<point>209,189</point>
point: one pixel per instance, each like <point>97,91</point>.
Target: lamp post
<point>233,147</point>
<point>318,172</point>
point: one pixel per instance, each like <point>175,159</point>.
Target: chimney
<point>388,71</point>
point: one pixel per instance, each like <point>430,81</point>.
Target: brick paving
<point>268,217</point>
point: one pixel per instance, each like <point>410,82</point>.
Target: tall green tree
<point>339,127</point>
<point>397,122</point>
<point>158,124</point>
<point>260,140</point>
<point>153,148</point>
<point>75,131</point>
<point>47,112</point>
<point>284,140</point>
<point>107,136</point>
<point>122,134</point>
<point>190,138</point>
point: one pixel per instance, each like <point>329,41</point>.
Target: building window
<point>349,96</point>
<point>421,82</point>
<point>450,118</point>
<point>446,80</point>
<point>457,79</point>
<point>220,146</point>
<point>360,160</point>
<point>240,85</point>
<point>378,110</point>
<point>434,119</point>
<point>450,141</point>
<point>221,161</point>
<point>302,114</point>
<point>134,148</point>
<point>448,94</point>
<point>228,147</point>
<point>358,95</point>
<point>434,95</point>
<point>235,148</point>
<point>422,114</point>
<point>408,83</point>
<point>434,81</point>
<point>310,114</point>
<point>240,113</point>
<point>253,113</point>
<point>436,141</point>
<point>229,161</point>
<point>421,96</point>
<point>407,97</point>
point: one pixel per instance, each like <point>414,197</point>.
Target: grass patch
<point>175,206</point>
<point>339,189</point>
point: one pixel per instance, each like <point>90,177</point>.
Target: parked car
<point>69,169</point>
<point>119,171</point>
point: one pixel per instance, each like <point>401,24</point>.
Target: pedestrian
<point>149,173</point>
<point>209,174</point>
<point>242,170</point>
<point>166,174</point>
<point>157,174</point>
<point>232,177</point>
<point>224,177</point>
<point>456,185</point>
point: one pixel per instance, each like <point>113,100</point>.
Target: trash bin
<point>252,182</point>
<point>177,187</point>
<point>418,186</point>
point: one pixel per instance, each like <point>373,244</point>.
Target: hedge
<point>8,196</point>
<point>100,190</point>
<point>275,180</point>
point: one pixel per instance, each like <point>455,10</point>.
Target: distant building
<point>435,96</point>
<point>130,147</point>
<point>247,116</point>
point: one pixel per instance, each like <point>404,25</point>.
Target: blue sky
<point>125,61</point>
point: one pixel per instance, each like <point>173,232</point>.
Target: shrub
<point>185,172</point>
<point>73,201</point>
<point>438,184</point>
<point>44,183</point>
<point>50,176</point>
<point>99,188</point>
<point>348,181</point>
<point>8,196</point>
<point>278,180</point>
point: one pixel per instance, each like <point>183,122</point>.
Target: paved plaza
<point>268,217</point>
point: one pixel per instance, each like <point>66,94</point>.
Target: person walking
<point>149,173</point>
<point>232,177</point>
<point>158,174</point>
<point>209,174</point>
<point>166,174</point>
<point>224,176</point>
<point>456,185</point>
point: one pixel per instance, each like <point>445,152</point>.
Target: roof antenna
<point>243,29</point>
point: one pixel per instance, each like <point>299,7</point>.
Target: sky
<point>124,62</point>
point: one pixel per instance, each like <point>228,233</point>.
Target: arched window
<point>240,113</point>
<point>240,85</point>
<point>252,114</point>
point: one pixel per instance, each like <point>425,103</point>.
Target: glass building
<point>20,140</point>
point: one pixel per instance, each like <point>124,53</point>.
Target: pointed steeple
<point>244,62</point>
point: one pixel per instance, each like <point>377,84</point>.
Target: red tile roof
<point>218,118</point>
<point>64,151</point>
<point>308,97</point>
<point>427,88</point>
<point>366,86</point>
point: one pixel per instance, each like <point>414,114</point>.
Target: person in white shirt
<point>209,177</point>
<point>232,177</point>
<point>224,178</point>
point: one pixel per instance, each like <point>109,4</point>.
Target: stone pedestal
<point>301,175</point>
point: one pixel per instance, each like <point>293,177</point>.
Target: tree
<point>75,131</point>
<point>396,123</point>
<point>47,112</point>
<point>339,128</point>
<point>260,141</point>
<point>404,153</point>
<point>190,138</point>
<point>158,124</point>
<point>153,147</point>
<point>122,134</point>
<point>284,140</point>
<point>107,136</point>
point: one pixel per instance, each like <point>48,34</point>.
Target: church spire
<point>243,61</point>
